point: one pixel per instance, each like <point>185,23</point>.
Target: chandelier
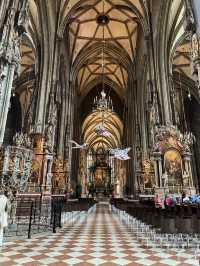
<point>103,103</point>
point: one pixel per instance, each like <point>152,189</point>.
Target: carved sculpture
<point>58,174</point>
<point>37,162</point>
<point>41,170</point>
<point>10,57</point>
<point>169,136</point>
<point>147,173</point>
<point>165,179</point>
<point>195,46</point>
<point>51,124</point>
<point>172,149</point>
<point>16,161</point>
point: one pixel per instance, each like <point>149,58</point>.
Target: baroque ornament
<point>58,173</point>
<point>10,55</point>
<point>22,140</point>
<point>148,172</point>
<point>16,166</point>
<point>169,136</point>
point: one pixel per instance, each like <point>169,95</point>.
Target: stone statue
<point>49,179</point>
<point>185,178</point>
<point>195,46</point>
<point>49,136</point>
<point>51,125</point>
<point>165,179</point>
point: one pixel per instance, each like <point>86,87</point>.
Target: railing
<point>30,216</point>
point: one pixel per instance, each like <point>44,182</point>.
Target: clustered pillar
<point>12,31</point>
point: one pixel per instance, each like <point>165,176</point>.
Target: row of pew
<point>183,218</point>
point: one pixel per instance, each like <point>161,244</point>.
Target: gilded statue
<point>58,173</point>
<point>147,172</point>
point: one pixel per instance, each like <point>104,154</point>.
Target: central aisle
<point>101,240</point>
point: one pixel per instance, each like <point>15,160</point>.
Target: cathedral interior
<point>99,132</point>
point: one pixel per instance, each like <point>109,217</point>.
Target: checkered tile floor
<point>101,240</point>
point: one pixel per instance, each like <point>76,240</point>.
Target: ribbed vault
<point>27,55</point>
<point>96,27</point>
<point>111,122</point>
<point>87,68</point>
<point>179,40</point>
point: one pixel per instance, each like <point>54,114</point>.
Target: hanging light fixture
<point>104,102</point>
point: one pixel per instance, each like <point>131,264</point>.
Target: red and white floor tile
<point>101,240</point>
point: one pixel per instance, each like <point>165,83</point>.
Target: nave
<point>101,239</point>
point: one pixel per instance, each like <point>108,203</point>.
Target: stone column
<point>131,135</point>
<point>3,8</point>
<point>10,56</point>
<point>156,172</point>
<point>195,43</point>
<point>69,131</point>
<point>64,83</point>
<point>49,61</point>
<point>6,87</point>
<point>158,168</point>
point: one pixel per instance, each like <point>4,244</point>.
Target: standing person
<point>3,216</point>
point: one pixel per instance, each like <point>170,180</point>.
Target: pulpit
<point>15,162</point>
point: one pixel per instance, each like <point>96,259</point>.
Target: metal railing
<point>38,215</point>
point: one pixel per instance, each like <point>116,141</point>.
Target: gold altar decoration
<point>100,178</point>
<point>168,137</point>
<point>147,173</point>
<point>58,172</point>
<point>38,143</point>
<point>172,155</point>
<point>36,175</point>
<point>173,167</point>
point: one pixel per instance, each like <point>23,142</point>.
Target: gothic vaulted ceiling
<point>109,22</point>
<point>179,41</point>
<point>113,125</point>
<point>103,41</point>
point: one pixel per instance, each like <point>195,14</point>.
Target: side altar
<point>172,159</point>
